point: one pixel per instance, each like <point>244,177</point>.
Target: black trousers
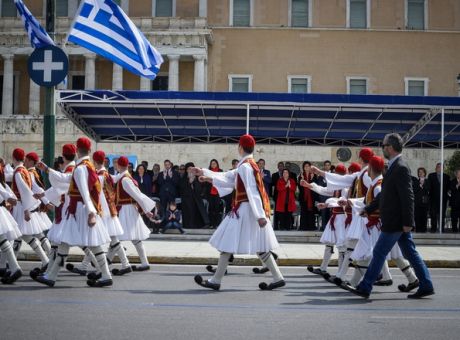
<point>307,219</point>
<point>285,220</point>
<point>215,211</point>
<point>421,219</point>
<point>434,215</point>
<point>455,218</point>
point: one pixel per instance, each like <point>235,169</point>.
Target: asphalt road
<point>165,303</point>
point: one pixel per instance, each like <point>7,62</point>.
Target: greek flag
<point>37,34</point>
<point>101,26</point>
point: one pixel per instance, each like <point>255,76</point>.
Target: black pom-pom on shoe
<point>205,283</point>
<point>272,285</point>
<point>262,270</point>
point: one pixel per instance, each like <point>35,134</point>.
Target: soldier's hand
<point>27,215</point>
<point>49,207</point>
<point>92,219</point>
<point>262,222</point>
<point>38,196</point>
<point>12,201</point>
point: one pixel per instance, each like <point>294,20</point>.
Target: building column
<point>145,84</point>
<point>90,76</point>
<point>173,77</point>
<point>198,79</point>
<point>203,8</point>
<point>8,84</point>
<point>34,98</point>
<point>117,77</point>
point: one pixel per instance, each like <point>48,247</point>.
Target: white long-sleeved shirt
<point>132,190</point>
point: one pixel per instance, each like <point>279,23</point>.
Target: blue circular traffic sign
<point>48,66</point>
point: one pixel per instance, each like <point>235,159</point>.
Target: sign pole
<point>49,118</point>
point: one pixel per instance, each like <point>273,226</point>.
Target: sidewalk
<point>290,254</point>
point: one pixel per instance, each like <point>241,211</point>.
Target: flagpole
<point>49,117</point>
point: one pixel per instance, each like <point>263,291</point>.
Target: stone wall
<point>27,132</point>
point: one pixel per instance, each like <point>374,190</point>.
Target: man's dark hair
<point>235,161</point>
<point>395,141</point>
<point>167,160</point>
<point>69,158</point>
<point>263,160</point>
<point>327,162</point>
<point>248,150</point>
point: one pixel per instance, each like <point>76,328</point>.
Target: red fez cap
<point>123,161</point>
<point>99,156</point>
<point>354,167</point>
<point>69,150</point>
<point>340,169</point>
<point>33,157</point>
<point>18,154</point>
<point>366,154</point>
<point>377,163</point>
<point>83,143</point>
<point>247,141</point>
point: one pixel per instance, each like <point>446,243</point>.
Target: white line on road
<point>401,317</point>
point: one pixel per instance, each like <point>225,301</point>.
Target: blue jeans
<point>383,246</point>
<point>173,225</point>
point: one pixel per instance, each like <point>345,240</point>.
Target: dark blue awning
<point>320,119</point>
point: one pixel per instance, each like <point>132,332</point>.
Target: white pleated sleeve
<point>144,201</point>
<point>27,196</point>
<point>224,182</point>
<point>81,178</point>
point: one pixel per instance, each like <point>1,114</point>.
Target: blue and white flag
<point>101,26</point>
<point>37,34</point>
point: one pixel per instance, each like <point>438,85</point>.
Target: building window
<point>416,14</point>
<point>240,83</point>
<point>160,83</point>
<point>416,86</point>
<point>76,82</point>
<point>8,8</point>
<point>62,8</point>
<point>356,85</point>
<point>300,13</point>
<point>240,13</point>
<point>164,8</point>
<point>358,13</point>
<point>299,84</point>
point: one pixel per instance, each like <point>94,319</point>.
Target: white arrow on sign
<point>48,66</point>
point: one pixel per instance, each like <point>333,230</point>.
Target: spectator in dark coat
<point>434,180</point>
<point>265,175</point>
<point>194,213</point>
<point>155,172</point>
<point>215,207</point>
<point>455,201</point>
<point>307,199</point>
<point>113,169</point>
<point>422,200</point>
<point>167,181</point>
<point>321,181</point>
<point>274,192</point>
<point>285,203</point>
<point>143,180</point>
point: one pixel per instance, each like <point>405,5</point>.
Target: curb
<point>237,261</point>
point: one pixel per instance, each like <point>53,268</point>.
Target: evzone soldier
<point>362,254</point>
<point>82,225</point>
<point>247,230</point>
<point>358,184</point>
<point>130,202</point>
<point>38,188</point>
<point>27,210</point>
<point>334,232</point>
<point>9,231</point>
<point>110,215</point>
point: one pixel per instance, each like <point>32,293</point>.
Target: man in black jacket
<point>455,201</point>
<point>397,215</point>
<point>434,181</point>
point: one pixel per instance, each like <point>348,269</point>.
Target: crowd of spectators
<point>294,206</point>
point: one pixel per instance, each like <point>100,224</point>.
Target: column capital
<point>174,57</point>
<point>199,57</point>
<point>9,56</point>
<point>89,55</point>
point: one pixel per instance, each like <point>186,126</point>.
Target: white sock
<point>342,272</point>
<point>3,260</point>
<point>270,263</point>
<point>358,274</point>
<point>45,243</point>
<point>62,253</point>
<point>8,253</point>
<point>51,257</point>
<point>141,251</point>
<point>101,262</point>
<point>221,268</point>
<point>37,248</point>
<point>405,267</point>
<point>386,275</point>
<point>17,247</point>
<point>328,251</point>
<point>88,260</point>
<point>120,251</point>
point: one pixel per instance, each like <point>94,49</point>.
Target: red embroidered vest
<point>122,197</point>
<point>374,217</point>
<point>94,187</point>
<point>240,195</point>
<point>109,191</point>
<point>25,176</point>
<point>58,210</point>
